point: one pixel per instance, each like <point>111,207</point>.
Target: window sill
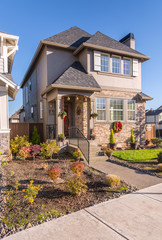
<point>115,75</point>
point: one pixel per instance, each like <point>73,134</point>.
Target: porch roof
<point>75,77</point>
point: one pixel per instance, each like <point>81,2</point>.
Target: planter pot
<point>93,137</point>
<point>133,145</point>
<point>112,145</point>
<point>61,139</point>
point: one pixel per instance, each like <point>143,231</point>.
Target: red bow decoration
<point>118,126</point>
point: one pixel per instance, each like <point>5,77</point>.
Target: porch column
<point>59,121</point>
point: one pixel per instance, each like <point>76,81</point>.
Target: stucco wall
<point>114,80</point>
<point>57,62</point>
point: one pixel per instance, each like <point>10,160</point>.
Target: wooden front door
<point>67,119</point>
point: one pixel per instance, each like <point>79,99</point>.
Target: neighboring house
<point>8,47</point>
<point>16,117</point>
<point>80,73</point>
<point>155,117</point>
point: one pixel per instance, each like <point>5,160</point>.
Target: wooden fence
<point>25,129</point>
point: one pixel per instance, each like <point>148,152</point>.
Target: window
<point>126,66</point>
<point>30,85</point>
<point>26,94</point>
<point>101,109</point>
<point>116,68</point>
<point>104,63</point>
<point>32,112</point>
<point>116,110</point>
<point>24,116</point>
<point>41,110</point>
<point>131,110</point>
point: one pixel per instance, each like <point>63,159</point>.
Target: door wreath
<point>117,126</point>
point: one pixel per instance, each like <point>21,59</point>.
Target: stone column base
<point>4,141</point>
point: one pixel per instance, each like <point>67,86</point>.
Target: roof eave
<point>101,48</point>
<point>59,86</point>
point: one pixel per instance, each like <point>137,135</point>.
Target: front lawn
<point>137,155</point>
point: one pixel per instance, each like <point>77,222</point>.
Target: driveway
<point>135,216</point>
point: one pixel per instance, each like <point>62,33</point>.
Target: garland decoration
<point>117,126</point>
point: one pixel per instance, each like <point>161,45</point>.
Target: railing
<point>77,138</point>
<point>51,131</point>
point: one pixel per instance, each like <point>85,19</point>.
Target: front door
<point>67,119</point>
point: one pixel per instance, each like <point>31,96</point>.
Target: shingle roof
<point>153,112</point>
<point>16,114</point>
<point>100,39</point>
<point>143,96</point>
<point>76,75</point>
<point>73,37</point>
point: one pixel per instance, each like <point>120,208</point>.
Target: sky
<point>35,20</point>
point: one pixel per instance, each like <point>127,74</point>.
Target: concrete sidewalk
<point>135,216</point>
<point>133,177</point>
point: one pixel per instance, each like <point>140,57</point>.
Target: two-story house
<point>8,47</point>
<point>155,117</point>
<point>80,73</point>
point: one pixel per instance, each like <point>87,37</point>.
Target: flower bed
<point>39,198</point>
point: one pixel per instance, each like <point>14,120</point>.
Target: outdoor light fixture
<point>77,98</point>
<point>68,98</point>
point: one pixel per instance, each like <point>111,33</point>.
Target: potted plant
<point>112,139</point>
<point>94,115</point>
<point>109,152</point>
<point>132,140</point>
<point>77,155</point>
<point>93,135</point>
<point>62,114</point>
<point>61,137</point>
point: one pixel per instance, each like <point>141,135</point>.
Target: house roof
<point>12,86</point>
<point>75,75</point>
<point>8,76</point>
<point>144,97</point>
<point>73,37</point>
<point>16,114</point>
<point>153,112</point>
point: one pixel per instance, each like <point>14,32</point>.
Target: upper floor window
<point>126,66</point>
<point>116,64</point>
<point>30,85</point>
<point>101,109</point>
<point>32,112</point>
<point>104,63</point>
<point>41,109</point>
<point>26,94</point>
<point>131,110</point>
<point>116,110</point>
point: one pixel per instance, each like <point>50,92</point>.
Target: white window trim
<point>101,109</point>
<point>41,110</point>
<point>108,55</point>
<point>115,56</point>
<point>125,58</point>
<point>131,110</point>
<point>117,110</point>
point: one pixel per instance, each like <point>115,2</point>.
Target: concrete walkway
<point>130,176</point>
<point>135,216</point>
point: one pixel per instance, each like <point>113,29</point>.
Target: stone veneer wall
<point>102,129</point>
<point>4,141</point>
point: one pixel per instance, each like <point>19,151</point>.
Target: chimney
<point>129,40</point>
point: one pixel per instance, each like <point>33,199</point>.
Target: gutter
<point>53,86</point>
<point>92,46</point>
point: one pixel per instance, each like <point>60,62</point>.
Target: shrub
<point>132,139</point>
<point>76,186</point>
<point>4,163</point>
<point>24,152</point>
<point>159,167</point>
<point>44,165</point>
<point>35,136</point>
<point>112,180</point>
<point>18,142</point>
<point>77,154</point>
<point>160,157</point>
<point>31,192</point>
<point>156,141</point>
<point>112,138</point>
<point>54,173</point>
<point>35,150</point>
<point>77,168</point>
<point>62,136</point>
<point>49,148</point>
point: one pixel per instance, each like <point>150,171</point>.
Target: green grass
<point>137,155</point>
